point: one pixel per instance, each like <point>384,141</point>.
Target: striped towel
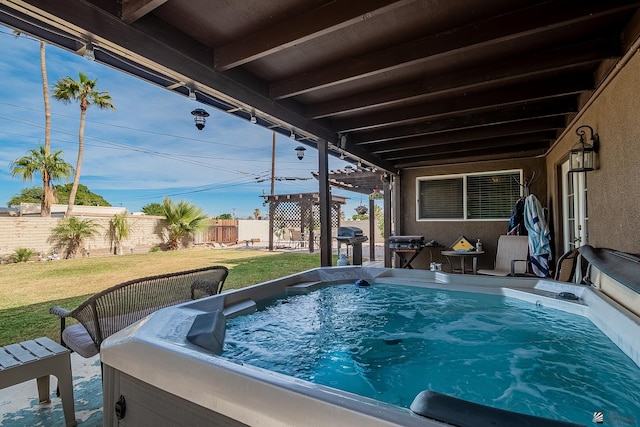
<point>539,243</point>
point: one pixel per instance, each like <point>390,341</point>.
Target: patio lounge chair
<point>115,308</point>
<point>296,238</point>
<point>511,257</point>
<point>566,266</point>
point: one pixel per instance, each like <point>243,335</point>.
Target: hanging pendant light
<point>200,117</point>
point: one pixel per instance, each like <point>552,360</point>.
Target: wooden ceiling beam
<point>526,22</point>
<point>546,108</point>
<point>132,10</point>
<point>323,20</point>
<point>515,152</point>
<point>528,66</point>
<point>510,129</point>
<point>468,104</point>
<point>480,144</point>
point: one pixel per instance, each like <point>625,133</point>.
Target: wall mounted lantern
<point>582,157</point>
<point>200,117</point>
<point>300,151</point>
<point>89,53</point>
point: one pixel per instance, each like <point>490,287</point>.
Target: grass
<point>28,290</point>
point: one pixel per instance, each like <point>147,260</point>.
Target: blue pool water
<point>391,342</point>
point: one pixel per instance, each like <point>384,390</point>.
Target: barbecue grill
<point>352,236</point>
<point>405,243</point>
<point>406,246</point>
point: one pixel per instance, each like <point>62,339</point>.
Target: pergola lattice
<point>299,212</point>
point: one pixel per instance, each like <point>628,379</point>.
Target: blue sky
<point>149,147</point>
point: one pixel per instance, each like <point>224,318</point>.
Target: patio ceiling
<point>397,84</point>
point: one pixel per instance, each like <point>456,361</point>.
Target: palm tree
<point>48,197</point>
<point>183,220</point>
<point>256,213</point>
<point>84,91</point>
<point>119,230</point>
<point>70,233</point>
<point>51,166</point>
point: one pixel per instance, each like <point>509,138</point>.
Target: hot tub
<point>153,375</point>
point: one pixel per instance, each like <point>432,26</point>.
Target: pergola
<point>301,211</point>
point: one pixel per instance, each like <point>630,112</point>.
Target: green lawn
<point>28,290</point>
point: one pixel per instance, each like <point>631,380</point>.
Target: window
<point>484,196</point>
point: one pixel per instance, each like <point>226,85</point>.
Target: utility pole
<point>273,164</point>
<point>273,184</point>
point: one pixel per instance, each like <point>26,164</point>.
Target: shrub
<point>155,249</point>
<point>22,255</point>
<point>70,233</point>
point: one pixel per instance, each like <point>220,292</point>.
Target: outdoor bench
<point>252,241</point>
<point>117,307</point>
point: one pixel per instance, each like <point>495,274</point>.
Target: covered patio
<point>465,93</point>
<point>417,89</point>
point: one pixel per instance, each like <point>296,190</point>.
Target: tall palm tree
<point>48,197</point>
<point>51,166</point>
<point>183,220</point>
<point>85,92</point>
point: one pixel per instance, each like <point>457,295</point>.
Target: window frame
<point>464,177</point>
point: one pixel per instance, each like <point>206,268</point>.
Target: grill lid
<point>349,232</point>
<point>351,235</point>
<point>406,239</point>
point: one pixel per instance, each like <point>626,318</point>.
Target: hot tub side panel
<point>148,406</point>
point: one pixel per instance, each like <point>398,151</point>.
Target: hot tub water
<point>390,342</point>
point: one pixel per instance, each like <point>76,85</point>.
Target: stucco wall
<point>613,189</point>
<point>446,232</point>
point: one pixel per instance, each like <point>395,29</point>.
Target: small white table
<point>463,256</point>
<point>39,359</point>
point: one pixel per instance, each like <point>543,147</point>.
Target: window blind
<point>442,199</point>
<point>492,196</point>
<point>487,196</point>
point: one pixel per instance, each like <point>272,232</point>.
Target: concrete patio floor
<point>19,405</point>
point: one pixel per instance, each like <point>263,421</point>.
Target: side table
<point>38,359</point>
<point>462,256</point>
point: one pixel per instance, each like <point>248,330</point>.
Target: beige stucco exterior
<point>613,190</point>
<point>446,232</point>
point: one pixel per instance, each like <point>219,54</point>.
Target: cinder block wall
<point>34,232</point>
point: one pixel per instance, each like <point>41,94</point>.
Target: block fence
<point>33,233</point>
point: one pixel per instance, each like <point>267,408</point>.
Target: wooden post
<point>325,204</point>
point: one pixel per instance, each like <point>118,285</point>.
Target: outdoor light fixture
<point>89,54</point>
<point>192,94</point>
<point>582,157</point>
<point>200,117</point>
<point>300,151</point>
<point>293,135</point>
<point>253,118</point>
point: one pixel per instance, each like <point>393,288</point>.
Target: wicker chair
<point>117,307</point>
